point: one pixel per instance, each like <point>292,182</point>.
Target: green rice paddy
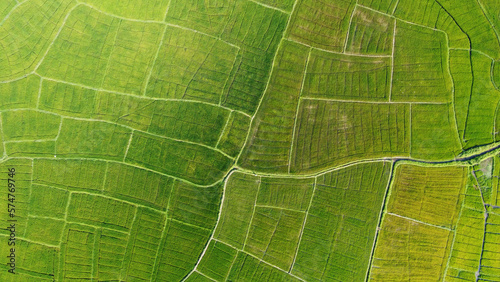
<point>249,140</point>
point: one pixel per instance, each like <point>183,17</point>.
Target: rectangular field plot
<point>323,25</point>
<point>330,133</point>
<point>180,250</point>
<point>233,137</point>
<point>16,191</point>
<point>30,149</point>
<point>254,27</point>
<point>44,230</point>
<point>274,235</point>
<point>217,260</point>
<point>431,195</point>
<point>434,134</point>
<point>340,226</point>
<point>77,253</point>
<point>370,33</point>
<point>27,33</point>
<point>187,161</point>
<point>495,182</point>
<point>246,86</point>
<point>99,211</point>
<point>21,93</point>
<point>101,51</point>
<point>237,209</point>
<point>193,205</point>
<point>461,73</point>
<point>29,265</point>
<point>146,235</point>
<point>496,74</point>
<point>135,9</point>
<point>287,193</point>
<point>248,268</point>
<point>257,30</point>
<point>431,14</point>
<point>195,122</point>
<point>41,195</point>
<point>191,66</point>
<point>410,251</point>
<point>208,17</point>
<point>82,102</point>
<point>420,67</point>
<point>468,242</point>
<point>268,148</point>
<point>34,126</point>
<point>384,6</point>
<point>92,139</point>
<point>346,77</point>
<point>72,175</point>
<point>191,121</point>
<point>285,5</point>
<point>138,185</point>
<point>70,100</point>
<point>482,105</point>
<point>111,254</point>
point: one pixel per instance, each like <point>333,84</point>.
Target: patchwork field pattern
<point>250,140</point>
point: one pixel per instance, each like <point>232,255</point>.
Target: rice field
<point>249,140</point>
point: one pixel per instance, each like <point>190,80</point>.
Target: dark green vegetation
<point>251,140</point>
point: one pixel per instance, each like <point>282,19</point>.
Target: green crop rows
<point>250,140</point>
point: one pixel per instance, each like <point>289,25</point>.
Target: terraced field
<point>250,140</point>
